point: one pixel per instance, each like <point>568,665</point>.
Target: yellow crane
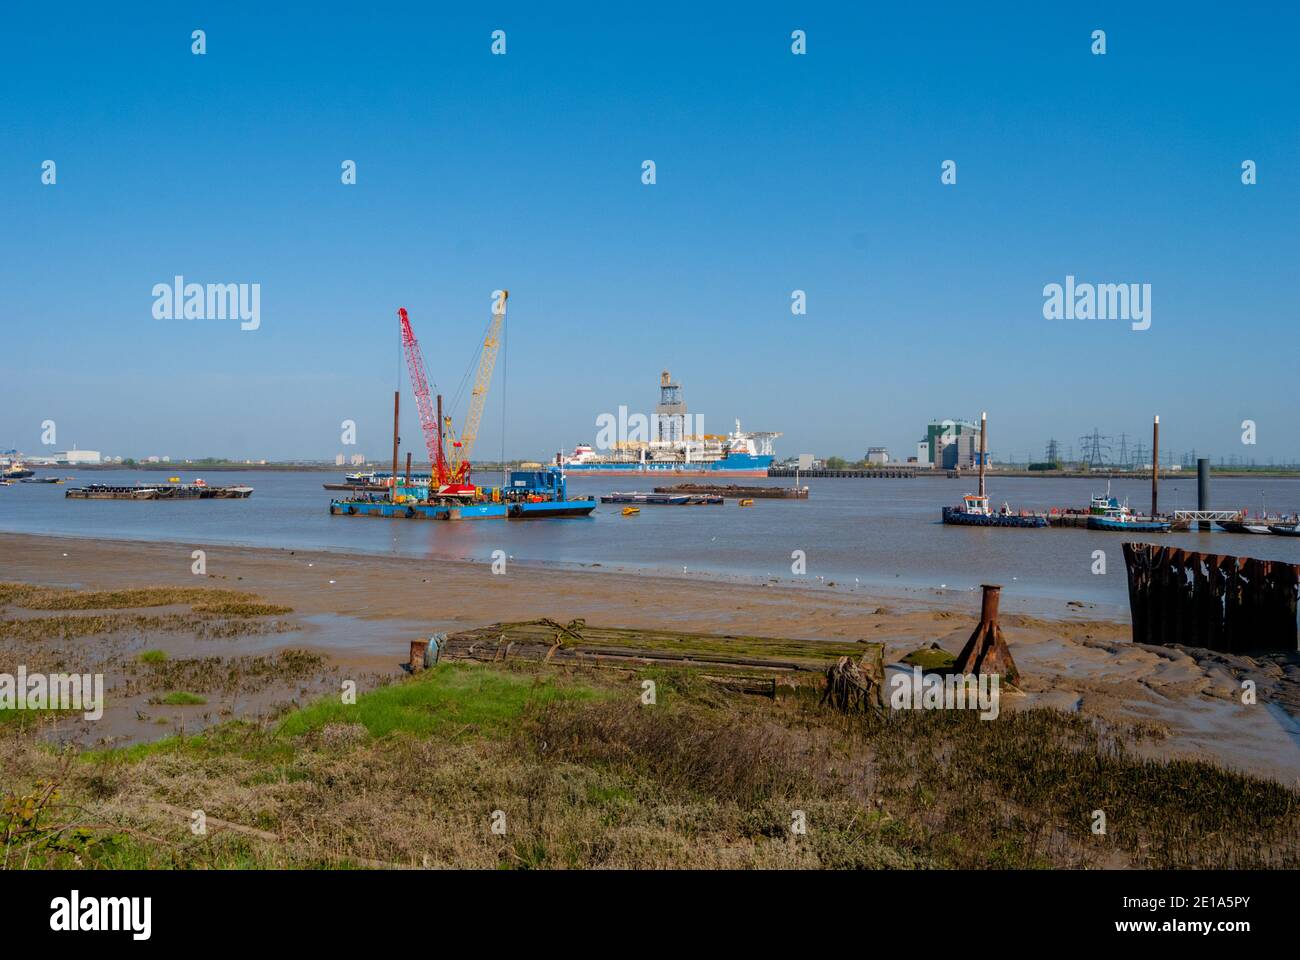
<point>458,461</point>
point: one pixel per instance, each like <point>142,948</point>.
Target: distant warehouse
<point>77,456</point>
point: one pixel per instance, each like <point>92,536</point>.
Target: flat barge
<point>162,491</point>
<point>733,491</point>
<point>531,495</point>
<point>659,499</point>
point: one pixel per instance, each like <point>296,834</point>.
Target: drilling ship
<point>666,444</point>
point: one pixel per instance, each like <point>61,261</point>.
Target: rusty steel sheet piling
<point>1222,603</point>
<point>986,651</point>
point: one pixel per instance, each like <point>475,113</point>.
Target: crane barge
<point>448,494</point>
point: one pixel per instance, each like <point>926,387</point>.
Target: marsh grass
<point>73,626</point>
<point>179,698</point>
<point>201,600</point>
<point>224,675</point>
<point>588,776</point>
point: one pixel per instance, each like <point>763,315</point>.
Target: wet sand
<point>359,612</point>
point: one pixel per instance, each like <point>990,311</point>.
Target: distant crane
<point>430,424</point>
<point>461,449</point>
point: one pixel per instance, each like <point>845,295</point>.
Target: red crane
<point>429,421</point>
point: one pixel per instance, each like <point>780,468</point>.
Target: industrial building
<point>950,445</point>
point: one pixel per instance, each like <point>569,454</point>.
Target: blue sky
<point>775,172</point>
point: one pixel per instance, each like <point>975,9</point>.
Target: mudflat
<point>358,612</point>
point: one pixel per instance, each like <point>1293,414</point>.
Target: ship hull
<point>620,470</point>
<point>1127,526</point>
<point>960,518</point>
<point>545,510</point>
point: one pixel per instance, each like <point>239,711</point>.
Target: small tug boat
<point>975,511</point>
<point>1107,513</point>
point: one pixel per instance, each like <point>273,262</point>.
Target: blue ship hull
<point>545,510</point>
<point>1126,526</point>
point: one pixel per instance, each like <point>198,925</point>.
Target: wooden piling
<point>1155,467</point>
<point>397,399</point>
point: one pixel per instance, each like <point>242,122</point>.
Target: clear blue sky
<point>775,172</point>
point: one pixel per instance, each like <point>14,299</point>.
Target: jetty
<point>157,491</point>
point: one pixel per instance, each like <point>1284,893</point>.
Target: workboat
<point>18,471</point>
<point>976,512</point>
<point>529,495</point>
<point>1107,513</point>
<point>1245,526</point>
<point>1285,529</point>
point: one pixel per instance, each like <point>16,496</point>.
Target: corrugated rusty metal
<point>1229,604</point>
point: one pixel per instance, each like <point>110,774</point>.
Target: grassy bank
<point>574,770</point>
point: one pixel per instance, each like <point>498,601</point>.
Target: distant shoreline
<point>275,467</point>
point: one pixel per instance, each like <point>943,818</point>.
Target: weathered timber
<point>1224,603</point>
<point>548,641</point>
<point>986,651</point>
<point>857,686</point>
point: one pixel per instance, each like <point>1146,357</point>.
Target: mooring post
<point>989,606</point>
<point>986,651</point>
<point>397,399</point>
<point>1203,489</point>
<point>1155,466</point>
<point>416,659</point>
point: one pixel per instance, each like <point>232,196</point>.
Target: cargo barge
<point>663,499</point>
<point>667,443</point>
<point>167,491</point>
<point>732,491</point>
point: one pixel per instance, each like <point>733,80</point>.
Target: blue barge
<point>531,495</point>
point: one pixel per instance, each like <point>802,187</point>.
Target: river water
<point>883,535</point>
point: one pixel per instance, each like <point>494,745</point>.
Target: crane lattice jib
<point>420,386</point>
<point>460,453</point>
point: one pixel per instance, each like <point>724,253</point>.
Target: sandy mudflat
<point>360,612</point>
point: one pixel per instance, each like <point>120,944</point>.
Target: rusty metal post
<point>1155,466</point>
<point>416,659</point>
<point>989,604</point>
<point>986,651</point>
<point>408,468</point>
<point>397,399</point>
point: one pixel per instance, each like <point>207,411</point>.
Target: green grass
<point>153,656</point>
<point>930,658</point>
<point>448,699</point>
<point>180,698</point>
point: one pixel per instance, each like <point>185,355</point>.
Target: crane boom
<point>460,452</point>
<point>420,386</point>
